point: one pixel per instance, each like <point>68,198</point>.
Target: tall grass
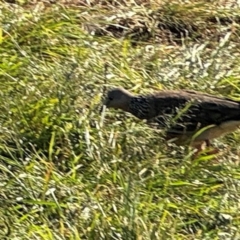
<point>69,173</point>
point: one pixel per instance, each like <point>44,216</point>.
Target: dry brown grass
<point>161,22</point>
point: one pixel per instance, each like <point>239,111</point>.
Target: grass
<point>69,173</point>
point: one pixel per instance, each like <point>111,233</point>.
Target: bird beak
<point>104,105</point>
<point>103,108</point>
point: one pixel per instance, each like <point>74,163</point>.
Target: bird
<point>188,117</point>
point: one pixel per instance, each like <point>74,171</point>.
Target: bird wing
<point>182,112</point>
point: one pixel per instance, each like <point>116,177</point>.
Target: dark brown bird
<point>189,117</point>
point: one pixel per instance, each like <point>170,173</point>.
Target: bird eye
<point>110,98</point>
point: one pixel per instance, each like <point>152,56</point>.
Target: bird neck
<point>139,107</point>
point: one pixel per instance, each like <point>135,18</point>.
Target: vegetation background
<point>67,172</point>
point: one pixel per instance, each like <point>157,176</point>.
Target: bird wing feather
<point>188,111</point>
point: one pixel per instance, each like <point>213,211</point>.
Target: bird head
<point>118,98</point>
